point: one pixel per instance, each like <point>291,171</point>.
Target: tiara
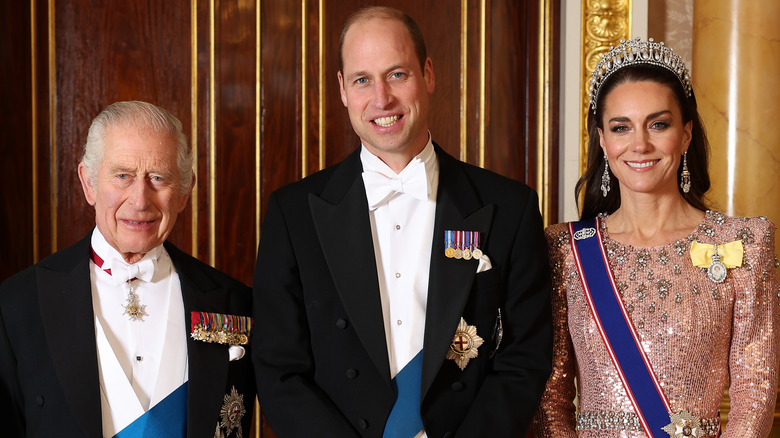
<point>633,52</point>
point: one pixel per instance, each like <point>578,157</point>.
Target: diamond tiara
<point>633,52</point>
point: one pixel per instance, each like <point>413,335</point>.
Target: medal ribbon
<point>220,321</point>
<point>99,263</point>
<point>731,254</point>
<point>617,331</point>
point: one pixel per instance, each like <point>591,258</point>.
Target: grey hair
<point>141,115</point>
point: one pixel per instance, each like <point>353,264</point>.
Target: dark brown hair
<point>589,184</point>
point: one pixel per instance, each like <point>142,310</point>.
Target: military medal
<point>449,251</point>
<point>716,271</point>
<point>232,412</point>
<point>459,244</point>
<point>476,252</point>
<point>462,244</point>
<point>467,248</point>
<point>684,424</point>
<point>220,328</point>
<point>464,344</point>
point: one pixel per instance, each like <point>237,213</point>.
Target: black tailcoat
<point>321,359</point>
<point>49,378</point>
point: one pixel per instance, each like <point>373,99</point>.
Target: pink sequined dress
<point>700,336</point>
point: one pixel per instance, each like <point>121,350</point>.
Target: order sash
<point>167,419</point>
<point>617,330</point>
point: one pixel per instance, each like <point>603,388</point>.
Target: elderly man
<point>400,293</point>
<point>123,334</point>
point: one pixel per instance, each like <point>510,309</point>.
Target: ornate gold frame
<point>604,24</point>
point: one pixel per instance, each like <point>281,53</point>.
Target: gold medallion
<point>449,252</point>
<point>464,344</point>
<point>477,253</point>
<point>467,254</point>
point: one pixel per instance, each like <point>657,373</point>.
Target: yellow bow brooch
<point>717,259</point>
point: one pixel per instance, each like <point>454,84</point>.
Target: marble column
<point>736,71</point>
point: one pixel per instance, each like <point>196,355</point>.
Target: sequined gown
<point>697,334</point>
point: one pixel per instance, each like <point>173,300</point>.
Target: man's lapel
<point>458,207</point>
<point>341,220</point>
<point>207,362</point>
<point>65,299</point>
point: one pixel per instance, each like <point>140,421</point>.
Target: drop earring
<point>605,178</point>
<point>685,175</point>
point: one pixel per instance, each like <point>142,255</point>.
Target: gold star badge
<point>464,344</point>
<point>684,424</point>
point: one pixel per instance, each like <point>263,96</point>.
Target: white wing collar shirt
<point>401,210</point>
<point>140,361</point>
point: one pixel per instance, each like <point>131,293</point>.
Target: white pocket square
<point>484,264</point>
<point>236,352</point>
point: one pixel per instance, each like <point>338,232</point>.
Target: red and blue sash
<point>617,330</point>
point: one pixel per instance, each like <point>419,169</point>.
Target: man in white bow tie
<point>401,293</point>
<point>115,336</point>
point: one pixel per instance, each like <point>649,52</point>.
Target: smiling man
<point>114,336</point>
<point>400,293</point>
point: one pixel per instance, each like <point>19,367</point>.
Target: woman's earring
<point>685,175</point>
<point>605,178</point>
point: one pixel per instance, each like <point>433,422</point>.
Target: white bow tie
<point>122,272</point>
<point>380,188</point>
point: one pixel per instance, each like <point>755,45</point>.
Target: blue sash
<point>167,419</point>
<point>404,420</point>
<point>617,331</point>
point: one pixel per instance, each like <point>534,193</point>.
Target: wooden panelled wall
<point>254,83</point>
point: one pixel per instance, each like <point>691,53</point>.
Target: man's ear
<point>430,78</point>
<point>86,186</point>
<point>183,198</point>
<point>342,91</point>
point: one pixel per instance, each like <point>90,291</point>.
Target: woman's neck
<point>653,220</point>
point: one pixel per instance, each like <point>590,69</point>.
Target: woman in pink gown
<point>695,289</point>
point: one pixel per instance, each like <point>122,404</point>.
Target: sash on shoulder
<point>166,419</point>
<point>616,329</point>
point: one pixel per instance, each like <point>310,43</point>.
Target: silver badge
<point>231,414</point>
<point>584,233</point>
<point>717,271</point>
